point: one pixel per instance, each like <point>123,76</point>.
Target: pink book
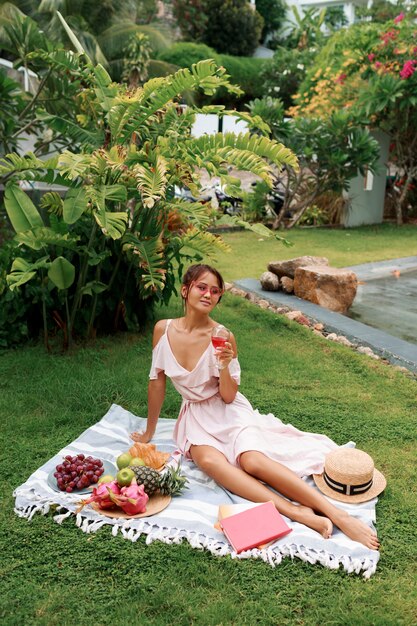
<point>254,527</point>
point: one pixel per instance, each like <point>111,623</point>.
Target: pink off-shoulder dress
<point>205,419</point>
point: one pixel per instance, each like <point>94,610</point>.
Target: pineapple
<point>171,482</point>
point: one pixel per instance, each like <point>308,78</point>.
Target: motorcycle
<point>183,193</point>
<point>228,205</point>
<point>275,199</point>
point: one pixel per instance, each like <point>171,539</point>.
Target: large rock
<point>287,284</point>
<point>287,268</point>
<point>269,281</point>
<point>330,287</point>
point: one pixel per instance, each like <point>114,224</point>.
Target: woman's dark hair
<point>195,271</point>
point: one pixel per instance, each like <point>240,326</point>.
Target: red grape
<point>77,472</point>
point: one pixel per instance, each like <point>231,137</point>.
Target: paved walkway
<point>392,348</point>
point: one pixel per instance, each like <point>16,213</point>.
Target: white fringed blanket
<point>191,516</point>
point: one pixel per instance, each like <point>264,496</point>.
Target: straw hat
<point>350,476</point>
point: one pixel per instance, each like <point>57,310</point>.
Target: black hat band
<point>348,490</point>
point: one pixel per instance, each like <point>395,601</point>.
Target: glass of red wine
<point>219,336</point>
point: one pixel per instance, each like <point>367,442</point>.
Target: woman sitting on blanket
<point>244,451</point>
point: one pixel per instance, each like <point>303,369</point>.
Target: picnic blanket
<point>192,515</point>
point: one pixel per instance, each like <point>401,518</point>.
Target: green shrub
<point>246,72</point>
<point>186,53</point>
<point>281,77</point>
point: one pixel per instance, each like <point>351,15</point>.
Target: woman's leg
<point>290,485</point>
<point>236,480</point>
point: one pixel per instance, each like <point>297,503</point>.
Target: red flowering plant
<point>371,70</point>
<point>390,100</point>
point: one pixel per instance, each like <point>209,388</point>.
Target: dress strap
<point>167,326</point>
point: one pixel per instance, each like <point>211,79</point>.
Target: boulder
<point>269,281</point>
<point>287,284</point>
<point>329,287</point>
<point>287,268</point>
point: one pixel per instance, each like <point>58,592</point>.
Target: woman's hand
<point>141,436</point>
<point>224,355</point>
<point>227,384</point>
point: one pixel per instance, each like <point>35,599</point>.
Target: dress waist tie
<point>184,406</point>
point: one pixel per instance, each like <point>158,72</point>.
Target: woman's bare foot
<point>305,515</point>
<point>356,530</point>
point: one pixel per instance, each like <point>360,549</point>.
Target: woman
<point>218,429</point>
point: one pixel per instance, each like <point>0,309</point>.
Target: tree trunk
<point>300,210</point>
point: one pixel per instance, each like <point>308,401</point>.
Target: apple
<point>107,478</point>
<point>124,477</point>
<point>137,461</point>
<point>123,460</point>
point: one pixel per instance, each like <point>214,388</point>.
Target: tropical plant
<point>136,60</point>
<point>107,250</point>
<point>306,29</point>
<point>335,17</point>
<point>370,71</point>
<point>330,152</point>
<point>103,28</point>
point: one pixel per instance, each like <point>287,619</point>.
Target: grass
<point>57,575</point>
<point>343,247</point>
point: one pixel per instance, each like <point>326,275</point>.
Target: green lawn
<point>343,247</point>
<point>57,575</point>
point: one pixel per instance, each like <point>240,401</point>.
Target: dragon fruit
<point>132,499</point>
<point>102,495</point>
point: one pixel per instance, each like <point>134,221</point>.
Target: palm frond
<point>105,89</point>
<point>194,213</point>
<point>247,161</point>
<point>73,165</point>
<point>203,242</point>
<point>152,181</point>
<point>150,261</point>
<point>38,238</point>
<point>128,116</point>
<point>259,229</point>
<point>61,60</point>
<point>14,163</point>
<point>264,147</point>
<point>52,202</point>
<point>72,129</point>
<point>254,122</point>
<point>112,224</point>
